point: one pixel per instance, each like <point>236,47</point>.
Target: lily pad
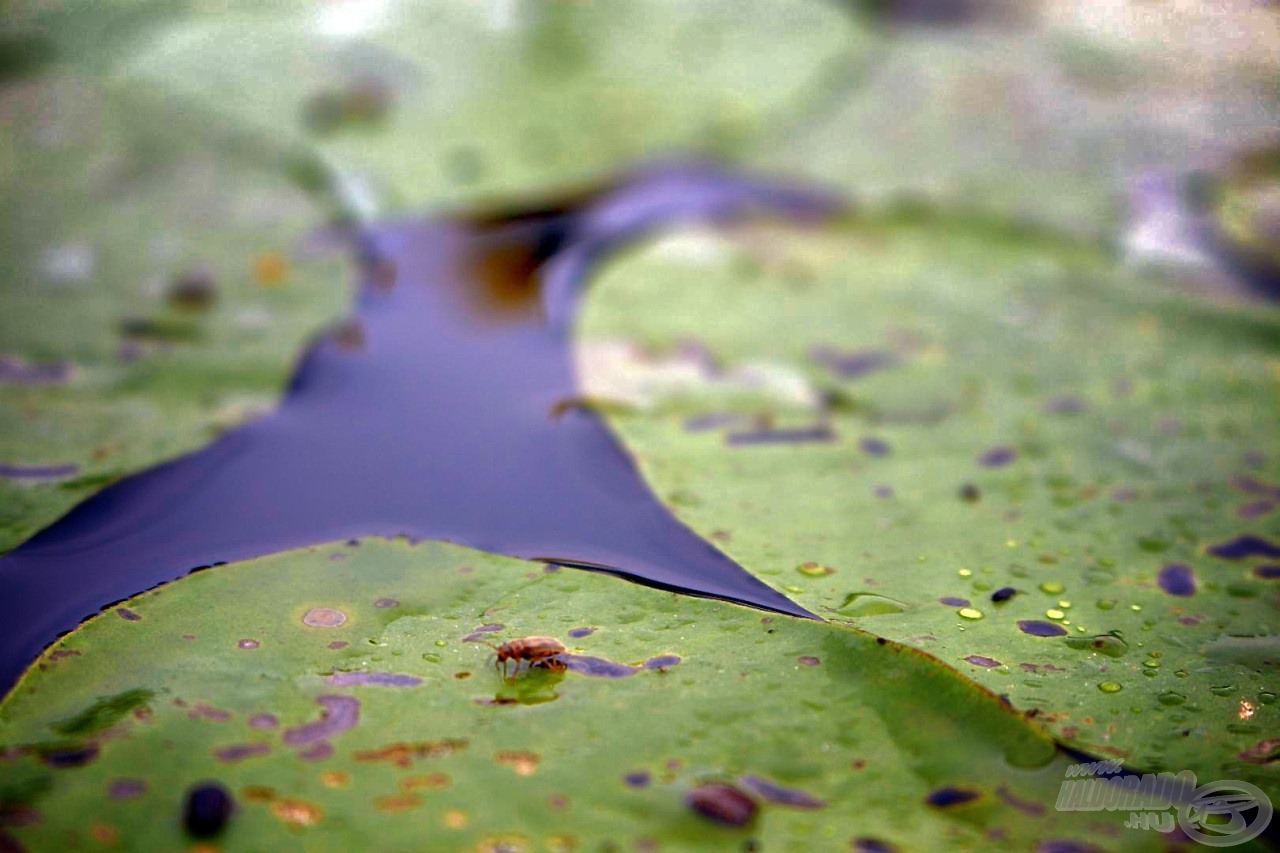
<point>340,694</point>
<point>1039,466</point>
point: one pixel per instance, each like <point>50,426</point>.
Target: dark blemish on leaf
<point>324,617</point>
<point>883,491</point>
<point>193,290</point>
<point>872,845</point>
<point>126,789</point>
<point>38,472</point>
<point>348,336</point>
<point>404,754</point>
<point>1111,645</point>
<point>1177,579</point>
<point>263,721</point>
<point>796,435</point>
<point>478,635</point>
<point>207,810</point>
<point>979,660</point>
<point>1253,486</point>
<point>579,633</point>
<point>201,711</point>
<point>1255,509</point>
<point>596,667</point>
<point>969,493</point>
<point>1065,404</point>
<point>638,779</point>
<point>779,795</point>
<point>1003,594</point>
<point>947,797</point>
<point>1025,806</point>
<point>997,457</point>
<point>1190,621</point>
<point>881,641</point>
<point>661,662</point>
<point>1245,546</point>
<point>317,751</point>
<point>372,679</point>
<point>853,364</point>
<point>338,714</point>
<point>875,447</point>
<point>722,804</point>
<point>954,602</point>
<point>808,660</point>
<point>15,370</point>
<point>1036,628</point>
<point>248,644</point>
<point>1263,752</point>
<point>240,751</point>
<point>718,420</point>
<point>66,757</point>
<point>386,602</point>
<point>496,700</point>
<point>1269,573</point>
<point>338,644</point>
<point>462,676</point>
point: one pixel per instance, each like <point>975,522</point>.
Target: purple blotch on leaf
<point>797,435</point>
<point>979,660</point>
<point>774,793</point>
<point>1177,579</point>
<point>997,457</point>
<point>661,662</point>
<point>1037,628</point>
<point>1269,573</point>
<point>338,714</point>
<point>944,797</point>
<point>1245,546</point>
<point>372,679</point>
<point>951,601</point>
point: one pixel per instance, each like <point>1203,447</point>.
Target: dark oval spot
<point>579,633</point>
<point>875,447</point>
<point>73,757</point>
<point>945,797</point>
<point>1245,546</point>
<point>639,779</point>
<point>723,804</point>
<point>997,457</point>
<point>1269,573</point>
<point>1003,594</point>
<point>661,662</point>
<point>596,667</point>
<point>808,660</point>
<point>954,602</point>
<point>208,808</point>
<point>979,660</point>
<point>1037,628</point>
<point>1177,579</point>
<point>969,493</point>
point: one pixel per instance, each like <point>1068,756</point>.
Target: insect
<point>532,650</point>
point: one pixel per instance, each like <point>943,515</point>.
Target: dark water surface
<point>438,411</point>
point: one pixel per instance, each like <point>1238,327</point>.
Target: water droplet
<point>1181,673</point>
<point>815,570</point>
<point>1054,614</point>
<point>964,573</point>
<point>1151,663</point>
<point>869,604</point>
<point>1170,698</point>
<point>441,643</point>
<point>1104,644</point>
<point>970,613</point>
<point>1064,605</point>
<point>1106,603</point>
<point>1135,607</point>
<point>431,657</point>
<point>1267,698</point>
<point>1110,687</point>
<point>981,586</point>
<point>1223,690</point>
<point>1052,588</point>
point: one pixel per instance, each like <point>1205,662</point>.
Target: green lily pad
<point>334,692</point>
<point>157,287</point>
<point>984,414</point>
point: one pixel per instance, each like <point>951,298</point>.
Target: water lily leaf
<point>458,101</point>
<point>157,286</point>
<point>1058,477</point>
<point>341,694</point>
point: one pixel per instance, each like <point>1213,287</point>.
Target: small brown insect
<point>531,650</point>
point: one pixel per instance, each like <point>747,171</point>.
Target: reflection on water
<point>429,413</point>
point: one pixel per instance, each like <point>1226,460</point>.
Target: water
<point>441,410</point>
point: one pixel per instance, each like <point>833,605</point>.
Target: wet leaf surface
<point>392,726</point>
<point>1138,629</point>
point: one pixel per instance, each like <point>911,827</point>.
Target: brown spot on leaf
<point>298,813</point>
<point>404,754</point>
<point>324,617</point>
<point>522,762</point>
<point>240,751</point>
<point>398,803</point>
<point>722,804</point>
